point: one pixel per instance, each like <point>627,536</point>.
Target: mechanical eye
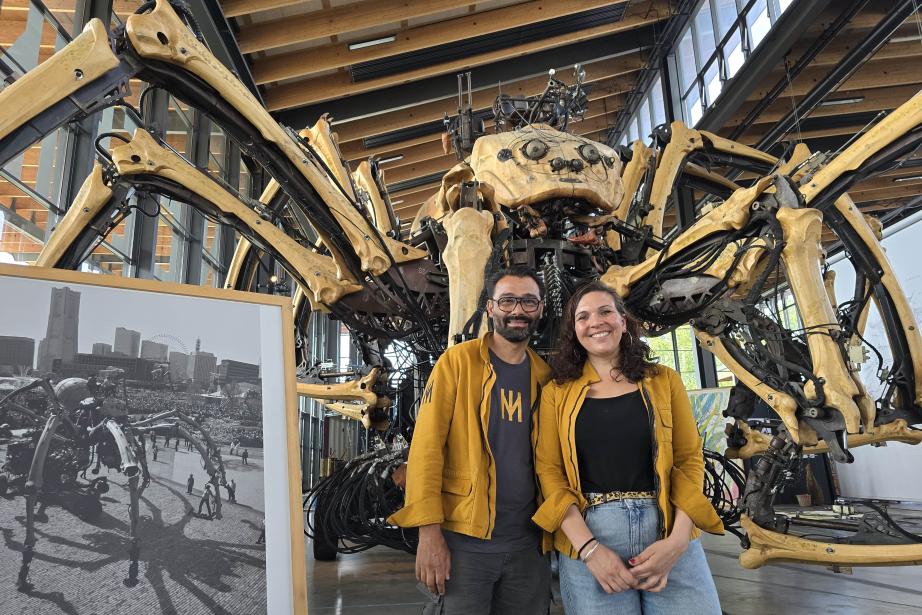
<point>590,153</point>
<point>535,149</point>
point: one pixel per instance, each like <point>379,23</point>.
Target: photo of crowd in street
<point>131,452</point>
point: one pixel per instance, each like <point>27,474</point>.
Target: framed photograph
<point>148,448</point>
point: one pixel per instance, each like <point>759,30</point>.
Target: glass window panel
<point>212,233</point>
<point>686,58</point>
<point>662,349</point>
<point>643,114</point>
<point>16,246</point>
<point>28,38</point>
<point>725,377</point>
<point>784,4</point>
<point>634,130</point>
<point>759,22</point>
<point>244,185</point>
<point>657,103</point>
<point>712,83</point>
<point>169,253</point>
<point>105,260</point>
<point>733,54</point>
<point>726,16</point>
<point>209,275</point>
<point>704,33</point>
<point>217,164</point>
<point>179,127</point>
<point>693,108</point>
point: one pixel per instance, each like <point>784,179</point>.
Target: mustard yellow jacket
<point>451,476</point>
<point>678,460</point>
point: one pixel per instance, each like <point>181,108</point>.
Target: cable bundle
<point>350,507</point>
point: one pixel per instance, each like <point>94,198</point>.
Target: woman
<point>621,470</point>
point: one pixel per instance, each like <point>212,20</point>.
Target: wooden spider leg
<point>134,513</point>
<point>466,255</point>
<point>33,488</point>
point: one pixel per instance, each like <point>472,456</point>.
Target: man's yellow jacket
<point>451,475</point>
<point>678,460</point>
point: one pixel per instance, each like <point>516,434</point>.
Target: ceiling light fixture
<point>397,202</point>
<point>911,178</point>
<point>905,39</point>
<point>841,101</point>
<point>372,43</point>
<point>390,159</point>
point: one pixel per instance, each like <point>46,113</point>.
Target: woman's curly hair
<point>569,356</point>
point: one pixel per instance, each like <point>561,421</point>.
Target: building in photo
<point>127,342</point>
<point>154,351</point>
<point>201,367</point>
<point>238,371</point>
<point>17,355</point>
<point>102,349</point>
<point>60,342</point>
<point>179,366</point>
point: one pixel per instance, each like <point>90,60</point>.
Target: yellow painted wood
<point>93,196</point>
<point>143,155</point>
<point>771,547</point>
<point>82,61</point>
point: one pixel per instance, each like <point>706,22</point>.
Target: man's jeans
<point>627,527</point>
<point>517,583</point>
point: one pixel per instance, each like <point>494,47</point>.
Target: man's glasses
<point>507,304</point>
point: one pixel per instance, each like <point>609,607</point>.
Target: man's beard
<point>513,334</point>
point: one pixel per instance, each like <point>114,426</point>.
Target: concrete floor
<point>381,582</point>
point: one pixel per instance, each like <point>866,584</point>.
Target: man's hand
<point>610,571</point>
<point>652,566</point>
<point>433,560</point>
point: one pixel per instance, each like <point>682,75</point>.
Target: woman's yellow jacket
<point>451,476</point>
<point>678,460</point>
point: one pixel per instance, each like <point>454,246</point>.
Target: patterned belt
<point>615,496</point>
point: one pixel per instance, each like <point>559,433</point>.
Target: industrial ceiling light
<point>905,39</point>
<point>371,43</point>
<point>911,178</point>
<point>841,101</point>
<point>390,159</point>
<point>397,202</point>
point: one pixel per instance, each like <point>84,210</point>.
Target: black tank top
<point>613,444</point>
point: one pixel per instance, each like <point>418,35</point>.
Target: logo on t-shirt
<point>511,405</point>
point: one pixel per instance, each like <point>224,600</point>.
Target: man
<point>190,482</point>
<point>206,501</point>
<point>232,491</point>
<point>471,486</point>
<point>244,457</point>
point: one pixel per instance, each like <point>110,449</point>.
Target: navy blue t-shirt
<point>509,434</point>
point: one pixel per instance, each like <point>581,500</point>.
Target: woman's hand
<point>651,567</point>
<point>610,571</point>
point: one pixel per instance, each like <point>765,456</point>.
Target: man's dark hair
<point>516,271</point>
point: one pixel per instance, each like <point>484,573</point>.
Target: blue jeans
<point>627,527</point>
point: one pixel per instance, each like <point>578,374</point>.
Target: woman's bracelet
<point>585,544</point>
<point>590,552</point>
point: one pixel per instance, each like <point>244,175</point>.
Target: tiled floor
<point>381,582</point>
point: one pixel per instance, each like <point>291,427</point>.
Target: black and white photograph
<point>134,427</point>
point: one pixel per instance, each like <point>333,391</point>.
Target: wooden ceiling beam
<point>330,87</point>
<point>321,59</point>
<point>236,8</point>
<point>338,20</point>
<point>901,192</point>
<point>874,74</point>
<point>607,77</point>
<point>433,149</point>
<point>874,100</point>
<point>845,42</point>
